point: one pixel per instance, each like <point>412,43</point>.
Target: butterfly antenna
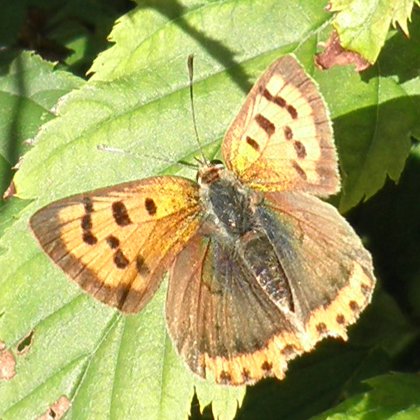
<point>116,150</point>
<point>191,77</point>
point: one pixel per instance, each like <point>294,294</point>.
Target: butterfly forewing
<point>282,139</point>
<point>117,242</point>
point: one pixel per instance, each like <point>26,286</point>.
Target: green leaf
<point>374,115</point>
<point>401,13</point>
<point>29,87</point>
<point>362,25</point>
<point>10,212</point>
<point>5,175</point>
<point>395,396</point>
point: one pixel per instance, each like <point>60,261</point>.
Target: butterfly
<point>260,268</point>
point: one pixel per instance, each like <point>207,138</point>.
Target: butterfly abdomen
<point>232,221</point>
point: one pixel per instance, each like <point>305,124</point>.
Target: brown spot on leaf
<point>57,410</point>
<point>252,143</point>
<point>25,344</point>
<point>300,149</point>
<point>335,55</point>
<point>150,206</point>
<point>340,319</point>
<point>7,363</point>
<point>120,259</point>
<point>10,191</point>
<point>265,124</point>
<point>120,213</point>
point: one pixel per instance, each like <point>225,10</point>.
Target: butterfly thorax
<point>232,218</point>
<point>227,204</point>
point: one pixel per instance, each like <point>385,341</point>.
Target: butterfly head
<point>210,172</point>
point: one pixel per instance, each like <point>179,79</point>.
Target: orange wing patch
<point>272,360</point>
<point>333,319</point>
<point>117,242</point>
<point>282,139</point>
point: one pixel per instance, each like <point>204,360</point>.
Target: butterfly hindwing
<point>240,308</point>
<point>117,242</point>
<point>220,319</point>
<point>329,272</point>
<point>282,139</point>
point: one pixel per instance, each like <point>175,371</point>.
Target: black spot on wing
<point>86,225</point>
<point>354,306</point>
<point>292,111</point>
<point>265,124</point>
<point>120,213</point>
<point>281,102</point>
<point>89,238</point>
<point>300,149</point>
<point>288,350</point>
<point>299,170</point>
<point>87,204</point>
<point>288,133</point>
<point>267,366</point>
<point>225,377</point>
<point>86,222</point>
<point>113,241</point>
<point>120,259</point>
<point>278,100</point>
<point>141,266</point>
<point>150,206</point>
<point>321,328</point>
<point>253,143</point>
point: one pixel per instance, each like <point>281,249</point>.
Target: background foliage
<point>136,98</point>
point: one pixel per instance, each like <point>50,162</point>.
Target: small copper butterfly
<point>260,269</point>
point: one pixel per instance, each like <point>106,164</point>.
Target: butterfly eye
<point>216,162</point>
<point>210,172</point>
